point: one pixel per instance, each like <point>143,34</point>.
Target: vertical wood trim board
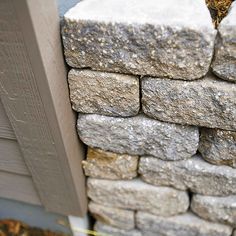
<point>34,93</point>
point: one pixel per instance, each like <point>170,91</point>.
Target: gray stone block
<point>138,135</point>
<point>217,209</point>
<point>182,225</point>
<point>120,218</point>
<point>224,63</point>
<point>137,195</point>
<point>152,37</point>
<point>218,146</point>
<point>104,93</point>
<point>110,165</point>
<point>194,174</point>
<point>108,230</point>
<point>208,102</point>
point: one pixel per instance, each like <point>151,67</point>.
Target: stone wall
<point>154,85</point>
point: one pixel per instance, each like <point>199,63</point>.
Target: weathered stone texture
<point>195,174</point>
<point>224,63</point>
<point>138,135</point>
<point>153,37</point>
<point>104,93</point>
<point>109,165</point>
<point>218,146</point>
<point>182,225</point>
<point>208,102</point>
<point>217,209</point>
<point>137,195</point>
<point>112,231</point>
<point>120,218</point>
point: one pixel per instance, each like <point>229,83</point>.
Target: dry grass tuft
<point>218,9</point>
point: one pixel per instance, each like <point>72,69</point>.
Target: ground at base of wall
<point>10,227</point>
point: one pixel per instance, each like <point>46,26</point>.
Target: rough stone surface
<point>195,174</point>
<point>152,37</point>
<point>104,93</point>
<point>120,218</point>
<point>217,209</point>
<point>182,225</point>
<point>218,146</point>
<point>138,135</point>
<point>137,195</point>
<point>109,165</point>
<point>112,231</point>
<point>224,63</point>
<point>208,102</point>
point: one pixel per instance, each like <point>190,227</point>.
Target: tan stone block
<point>110,165</point>
<point>120,218</point>
<point>104,93</point>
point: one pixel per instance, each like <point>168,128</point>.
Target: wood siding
<point>6,130</point>
<point>11,159</point>
<point>18,187</point>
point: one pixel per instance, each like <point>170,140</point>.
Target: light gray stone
<point>104,93</point>
<point>217,209</point>
<point>218,146</point>
<point>208,102</point>
<point>182,225</point>
<point>109,165</point>
<point>195,174</point>
<point>137,195</point>
<point>138,135</point>
<point>152,37</point>
<point>224,63</point>
<point>120,218</point>
<point>234,234</point>
<point>108,230</point>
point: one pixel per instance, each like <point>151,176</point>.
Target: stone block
<point>152,37</point>
<point>104,93</point>
<point>108,230</point>
<point>218,146</point>
<point>181,225</point>
<point>137,195</point>
<point>209,102</point>
<point>217,209</point>
<point>194,174</point>
<point>110,165</point>
<point>224,63</point>
<point>138,135</point>
<point>120,218</point>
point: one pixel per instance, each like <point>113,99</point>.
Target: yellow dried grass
<point>218,9</point>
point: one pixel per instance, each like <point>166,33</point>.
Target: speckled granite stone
<point>152,37</point>
<point>138,135</point>
<point>181,225</point>
<point>120,218</point>
<point>104,93</point>
<point>110,165</point>
<point>224,63</point>
<point>218,146</point>
<point>194,174</point>
<point>217,209</point>
<point>108,230</point>
<point>137,195</point>
<point>209,102</point>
